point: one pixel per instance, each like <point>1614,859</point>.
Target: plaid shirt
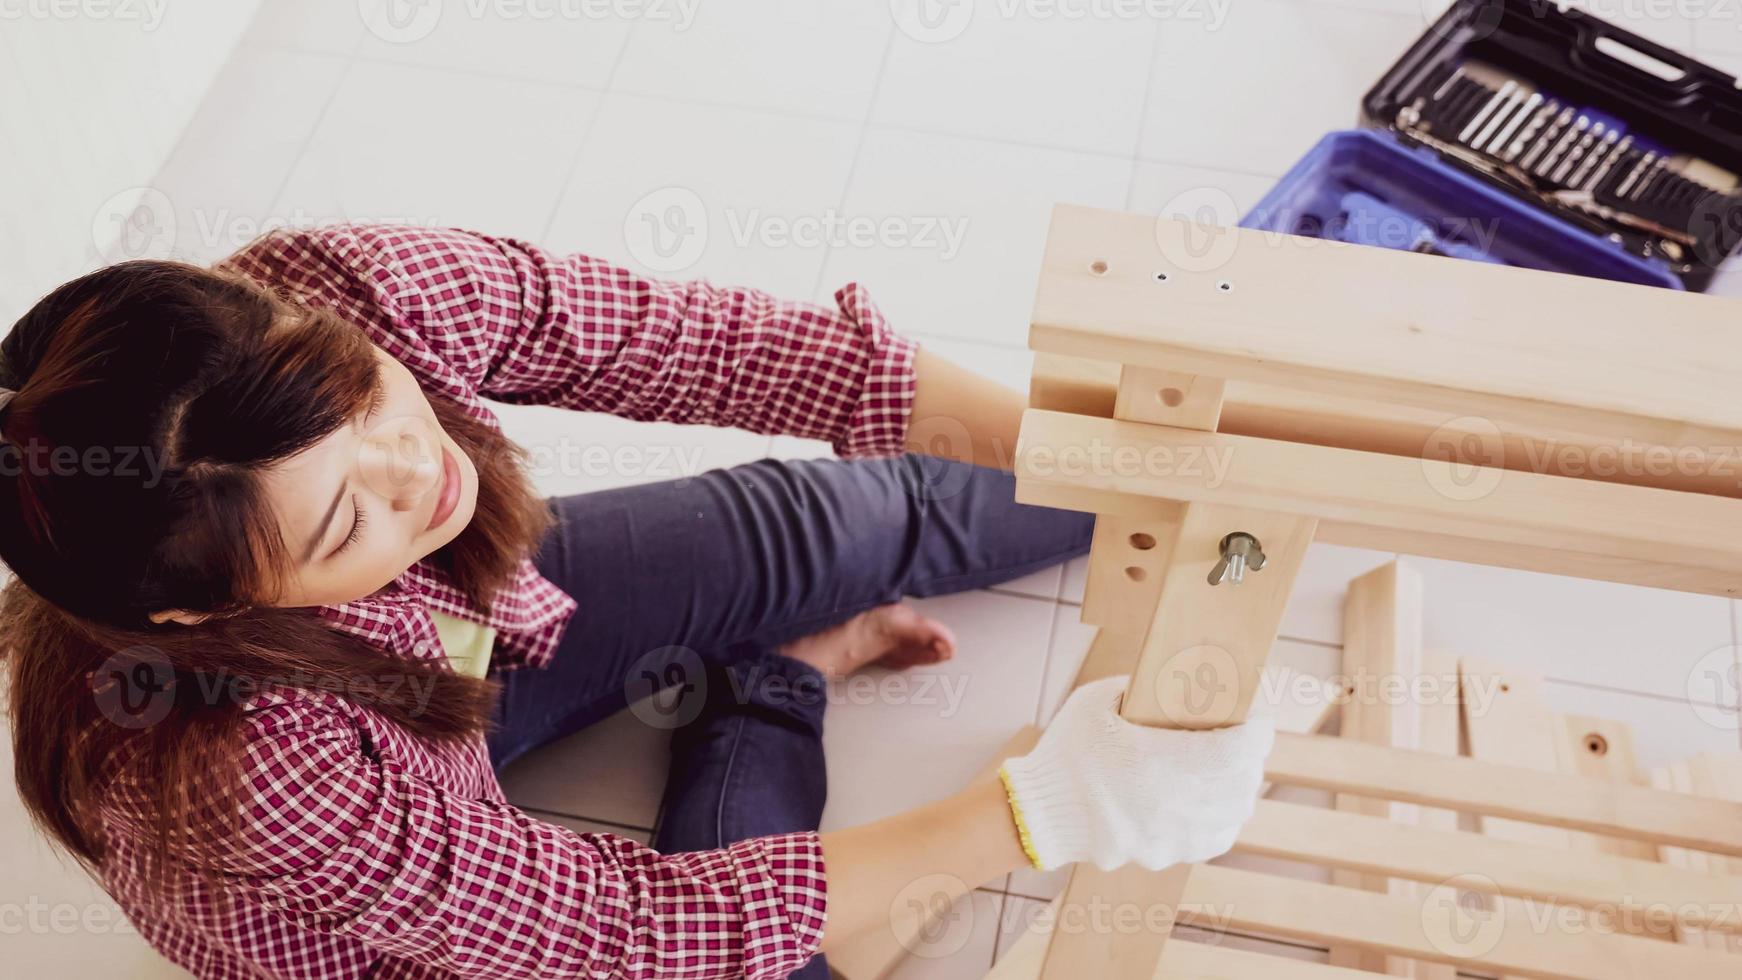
<point>369,853</point>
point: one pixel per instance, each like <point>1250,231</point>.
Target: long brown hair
<point>150,395</point>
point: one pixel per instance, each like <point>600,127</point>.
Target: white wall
<point>93,96</point>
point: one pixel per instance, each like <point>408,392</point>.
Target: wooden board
<point>1080,386</point>
<point>1381,643</point>
<point>1568,802</point>
<point>1512,510</point>
<point>1439,929</point>
<point>1200,663</point>
<point>1465,337</point>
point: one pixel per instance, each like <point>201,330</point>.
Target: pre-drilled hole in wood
<point>1142,542</point>
<point>1172,397</point>
<point>1098,267</point>
<point>1134,573</point>
<point>1596,744</point>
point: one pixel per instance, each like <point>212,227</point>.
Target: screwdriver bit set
<point>1517,132</point>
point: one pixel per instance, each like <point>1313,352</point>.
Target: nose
<point>401,461</point>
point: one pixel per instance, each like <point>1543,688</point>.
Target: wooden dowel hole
<point>1142,542</point>
<point>1135,573</point>
<point>1171,397</point>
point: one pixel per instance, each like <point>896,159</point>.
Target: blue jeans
<point>686,590</point>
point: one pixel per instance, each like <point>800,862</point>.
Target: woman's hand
<point>1101,789</point>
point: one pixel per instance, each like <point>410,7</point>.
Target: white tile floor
<point>780,110</point>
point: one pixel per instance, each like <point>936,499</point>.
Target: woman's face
<point>365,503</point>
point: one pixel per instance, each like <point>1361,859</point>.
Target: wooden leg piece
<point>1199,667</point>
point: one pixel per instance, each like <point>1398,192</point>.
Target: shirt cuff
<point>777,946</point>
<point>878,423</point>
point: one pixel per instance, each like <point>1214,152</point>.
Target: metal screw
<point>1240,551</point>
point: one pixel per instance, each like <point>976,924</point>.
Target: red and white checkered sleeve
<point>517,323</point>
<point>338,843</point>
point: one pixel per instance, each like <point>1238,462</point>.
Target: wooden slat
<point>1439,929</point>
<point>1465,337</point>
<point>1433,497</point>
<point>1179,961</point>
<point>1508,723</point>
<point>1554,561</point>
<point>1679,460</point>
<point>1382,642</point>
<point>1514,792</point>
<point>1378,846</point>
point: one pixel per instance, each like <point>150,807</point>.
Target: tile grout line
<point>581,145</point>
<point>315,127</point>
<point>1143,114</point>
<point>861,137</point>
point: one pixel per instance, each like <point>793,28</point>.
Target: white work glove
<point>1101,789</point>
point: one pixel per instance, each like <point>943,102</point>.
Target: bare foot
<point>894,636</point>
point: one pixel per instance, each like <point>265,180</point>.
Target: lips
<point>448,496</point>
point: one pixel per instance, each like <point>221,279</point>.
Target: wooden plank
<point>1464,337</point>
<point>1381,644</point>
<point>1439,929</point>
<point>1386,848</point>
<point>1708,774</point>
<point>1606,568</point>
<point>1569,802</point>
<point>1677,461</point>
<point>1506,508</point>
<point>1202,657</point>
<point>1179,961</point>
<point>1509,724</point>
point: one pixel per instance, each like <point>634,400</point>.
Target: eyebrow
<point>326,525</point>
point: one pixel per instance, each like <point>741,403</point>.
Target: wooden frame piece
<point>1191,382</point>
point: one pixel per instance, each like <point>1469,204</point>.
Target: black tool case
<point>1517,132</point>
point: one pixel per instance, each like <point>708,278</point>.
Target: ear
<point>181,616</point>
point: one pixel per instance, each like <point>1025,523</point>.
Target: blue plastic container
<point>1366,187</point>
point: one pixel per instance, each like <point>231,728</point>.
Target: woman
<point>286,603</point>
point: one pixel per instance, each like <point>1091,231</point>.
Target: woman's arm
<point>960,415</point>
<point>902,866</point>
<point>477,316</point>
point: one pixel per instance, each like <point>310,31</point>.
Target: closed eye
<point>358,522</point>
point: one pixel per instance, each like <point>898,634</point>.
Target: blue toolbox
<point>1519,133</point>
